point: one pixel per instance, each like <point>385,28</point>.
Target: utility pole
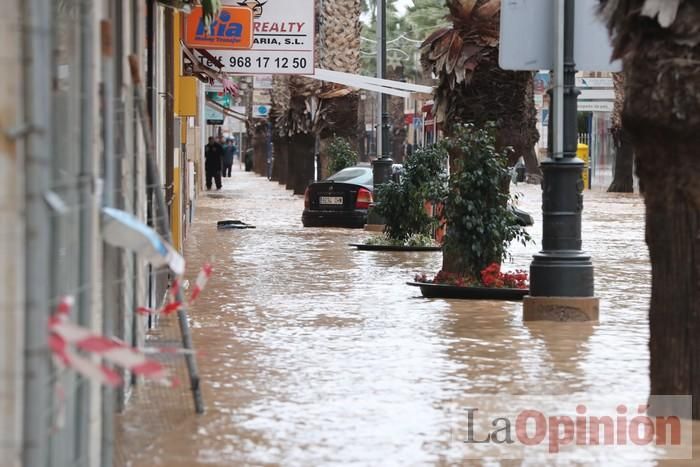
<point>561,275</point>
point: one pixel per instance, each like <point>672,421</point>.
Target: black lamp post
<point>561,275</point>
<point>382,165</point>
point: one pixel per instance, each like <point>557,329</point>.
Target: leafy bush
<point>479,223</point>
<point>340,155</point>
<point>401,204</point>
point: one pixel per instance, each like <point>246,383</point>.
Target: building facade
<point>72,142</point>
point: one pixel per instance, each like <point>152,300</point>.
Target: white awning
<point>368,83</point>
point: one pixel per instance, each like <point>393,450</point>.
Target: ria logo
<point>255,5</point>
<point>223,28</point>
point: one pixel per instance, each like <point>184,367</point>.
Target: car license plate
<point>331,200</point>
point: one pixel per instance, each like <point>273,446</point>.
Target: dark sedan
<point>341,200</point>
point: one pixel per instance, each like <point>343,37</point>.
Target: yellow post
<point>583,154</point>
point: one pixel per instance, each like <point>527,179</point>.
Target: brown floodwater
<point>316,354</point>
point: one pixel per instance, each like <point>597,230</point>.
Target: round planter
<point>469,293</point>
<point>362,246</point>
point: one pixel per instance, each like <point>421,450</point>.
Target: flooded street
<point>316,354</point>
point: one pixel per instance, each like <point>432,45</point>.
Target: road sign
<point>283,40</point>
<point>261,111</point>
<point>232,29</point>
<point>527,37</point>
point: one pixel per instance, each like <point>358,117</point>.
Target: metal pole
<point>382,68</point>
<point>381,167</point>
<point>561,269</point>
<point>110,254</point>
<point>88,211</point>
<point>164,228</point>
<point>36,68</point>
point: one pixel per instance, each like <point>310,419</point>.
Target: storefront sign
<point>232,29</point>
<point>283,40</point>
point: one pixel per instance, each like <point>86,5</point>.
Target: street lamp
<point>381,167</point>
<point>561,275</point>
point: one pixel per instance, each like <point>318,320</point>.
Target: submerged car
<point>341,200</point>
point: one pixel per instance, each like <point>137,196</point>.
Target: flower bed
<point>491,277</point>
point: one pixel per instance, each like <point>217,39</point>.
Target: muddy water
<point>315,354</point>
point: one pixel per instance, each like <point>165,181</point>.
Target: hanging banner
<point>232,29</point>
<point>283,40</point>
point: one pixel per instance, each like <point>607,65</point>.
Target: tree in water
<point>623,180</point>
<point>659,44</point>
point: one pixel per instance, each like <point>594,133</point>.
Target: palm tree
<point>312,109</point>
<point>472,88</point>
<point>623,181</point>
<point>659,44</point>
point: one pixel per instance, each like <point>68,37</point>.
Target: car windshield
<point>356,175</point>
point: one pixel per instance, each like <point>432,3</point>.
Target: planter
<point>469,293</point>
<point>223,225</point>
<point>363,247</point>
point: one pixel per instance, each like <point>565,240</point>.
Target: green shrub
<point>479,223</point>
<point>401,204</point>
<point>340,155</point>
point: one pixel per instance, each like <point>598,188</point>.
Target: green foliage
<point>480,224</point>
<point>340,155</point>
<point>401,204</point>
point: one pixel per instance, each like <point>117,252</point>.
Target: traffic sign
<point>283,40</point>
<point>527,37</point>
<point>261,111</point>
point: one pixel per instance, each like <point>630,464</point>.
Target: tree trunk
<point>260,149</point>
<point>661,115</point>
<point>672,197</point>
<point>301,156</point>
<point>623,180</point>
<point>279,169</point>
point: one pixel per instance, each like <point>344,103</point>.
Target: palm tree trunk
<point>301,150</point>
<point>623,181</point>
<point>661,115</point>
<point>670,170</point>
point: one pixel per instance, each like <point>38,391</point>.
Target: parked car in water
<point>341,200</point>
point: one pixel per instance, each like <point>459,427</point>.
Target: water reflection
<point>317,354</point>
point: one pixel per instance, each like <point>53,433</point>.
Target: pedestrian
<point>214,158</point>
<point>229,151</point>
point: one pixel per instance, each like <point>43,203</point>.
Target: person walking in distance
<point>214,158</point>
<point>229,151</point>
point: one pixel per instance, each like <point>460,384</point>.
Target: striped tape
<point>65,336</point>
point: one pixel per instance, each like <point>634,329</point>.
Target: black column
<point>561,269</point>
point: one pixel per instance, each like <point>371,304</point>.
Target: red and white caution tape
<point>201,282</point>
<point>65,335</point>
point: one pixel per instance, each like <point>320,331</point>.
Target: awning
<point>368,83</point>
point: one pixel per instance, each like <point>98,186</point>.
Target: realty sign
<point>283,39</point>
<point>232,29</point>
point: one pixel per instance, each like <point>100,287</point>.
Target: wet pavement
<point>317,354</point>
